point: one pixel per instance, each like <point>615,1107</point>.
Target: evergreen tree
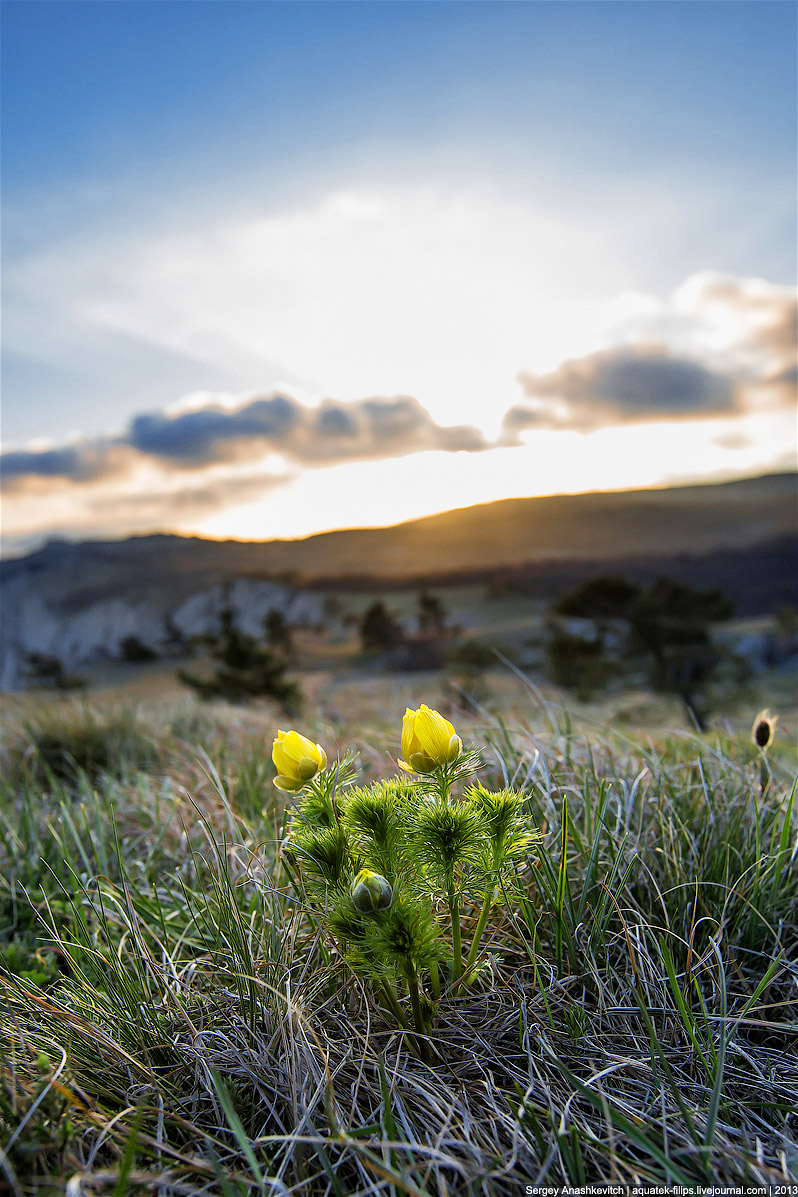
<point>670,624</point>
<point>278,633</point>
<point>579,663</point>
<point>667,625</point>
<point>245,670</point>
<point>432,614</point>
<point>604,598</point>
<point>379,630</point>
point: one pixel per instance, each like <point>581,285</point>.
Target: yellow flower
<point>296,759</point>
<point>371,892</point>
<point>428,740</point>
<point>764,727</point>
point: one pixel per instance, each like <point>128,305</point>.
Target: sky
<point>274,268</point>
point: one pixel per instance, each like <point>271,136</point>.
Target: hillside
<point>81,602</point>
<point>510,533</point>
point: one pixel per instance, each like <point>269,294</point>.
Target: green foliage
<point>374,819</point>
<point>505,819</point>
<point>324,855</point>
<point>445,838</point>
<point>407,938</point>
<point>245,670</point>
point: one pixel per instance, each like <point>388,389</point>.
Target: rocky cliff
<point>31,621</point>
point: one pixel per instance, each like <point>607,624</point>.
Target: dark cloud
<point>630,382</point>
<point>368,428</point>
<point>200,436</point>
<point>374,428</point>
<point>80,462</point>
<point>333,420</point>
<point>48,463</point>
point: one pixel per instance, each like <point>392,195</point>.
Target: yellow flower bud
<point>764,728</point>
<point>371,892</point>
<point>296,759</point>
<point>428,740</point>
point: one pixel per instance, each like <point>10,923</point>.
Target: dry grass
<point>175,1021</point>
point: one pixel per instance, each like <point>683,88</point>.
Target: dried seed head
<point>764,728</point>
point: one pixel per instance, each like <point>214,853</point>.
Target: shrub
<point>48,673</point>
<point>135,651</point>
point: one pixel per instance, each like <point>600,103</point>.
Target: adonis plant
<point>403,871</point>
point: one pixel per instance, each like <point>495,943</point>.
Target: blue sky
<point>95,87</point>
<point>209,202</point>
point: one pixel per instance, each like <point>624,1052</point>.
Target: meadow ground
<point>177,1019</point>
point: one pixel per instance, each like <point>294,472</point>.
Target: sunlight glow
<point>371,494</point>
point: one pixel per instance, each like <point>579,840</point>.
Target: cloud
<point>761,326</point>
<point>419,289</point>
<point>202,436</point>
<point>189,440</point>
<point>621,384</point>
<point>768,314</point>
<point>69,461</point>
<point>161,499</point>
<point>79,462</point>
<point>719,346</point>
<point>719,352</point>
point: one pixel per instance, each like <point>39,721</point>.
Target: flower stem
<point>443,787</point>
<point>389,993</point>
<point>435,980</point>
<point>483,918</point>
<point>457,949</point>
<point>418,1017</point>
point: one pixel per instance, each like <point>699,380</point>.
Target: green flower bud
<point>371,892</point>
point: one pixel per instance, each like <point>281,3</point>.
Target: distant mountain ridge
<point>510,532</point>
<point>81,601</point>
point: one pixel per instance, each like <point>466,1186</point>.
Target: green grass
<point>175,1021</point>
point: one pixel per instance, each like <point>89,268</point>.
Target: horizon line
<point>46,540</point>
